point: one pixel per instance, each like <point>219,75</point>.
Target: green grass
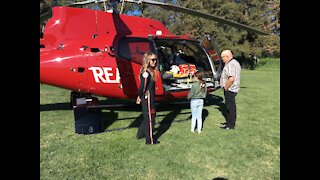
<point>268,63</point>
<point>251,151</point>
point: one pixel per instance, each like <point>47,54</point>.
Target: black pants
<point>146,127</point>
<point>230,100</point>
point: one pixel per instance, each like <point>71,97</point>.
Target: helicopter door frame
<point>209,46</point>
<point>186,55</point>
<point>131,54</point>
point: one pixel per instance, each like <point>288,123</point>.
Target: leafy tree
<point>263,15</point>
<point>44,6</point>
<point>254,13</point>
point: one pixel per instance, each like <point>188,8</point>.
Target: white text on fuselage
<point>105,74</point>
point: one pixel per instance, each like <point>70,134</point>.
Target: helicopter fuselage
<point>100,53</point>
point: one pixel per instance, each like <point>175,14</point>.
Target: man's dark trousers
<point>230,100</point>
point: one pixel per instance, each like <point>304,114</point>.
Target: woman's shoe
<point>156,142</point>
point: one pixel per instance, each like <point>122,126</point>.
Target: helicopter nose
<point>45,67</point>
<point>63,68</point>
<point>51,68</point>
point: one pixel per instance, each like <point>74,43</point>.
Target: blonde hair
<point>146,64</point>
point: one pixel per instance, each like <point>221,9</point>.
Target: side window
<point>132,49</point>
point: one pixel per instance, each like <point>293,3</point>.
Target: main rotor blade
<point>86,2</point>
<point>199,14</point>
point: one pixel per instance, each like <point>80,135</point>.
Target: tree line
<point>260,14</point>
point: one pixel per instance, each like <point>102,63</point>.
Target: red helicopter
<point>97,53</point>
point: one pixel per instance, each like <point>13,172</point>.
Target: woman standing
<point>197,94</point>
<point>146,92</point>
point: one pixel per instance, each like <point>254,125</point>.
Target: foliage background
<point>260,14</point>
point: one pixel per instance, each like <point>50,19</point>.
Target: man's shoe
<point>225,123</point>
<point>227,128</point>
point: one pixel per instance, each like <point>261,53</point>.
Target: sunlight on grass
<point>251,151</point>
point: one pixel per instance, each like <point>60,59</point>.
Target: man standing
<point>230,82</point>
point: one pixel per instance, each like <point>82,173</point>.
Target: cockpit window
<point>132,49</point>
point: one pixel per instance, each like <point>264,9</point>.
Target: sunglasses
<point>154,59</point>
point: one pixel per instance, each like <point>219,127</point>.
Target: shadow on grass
<point>108,119</point>
<point>165,124</point>
<point>55,106</point>
<point>218,101</point>
<point>174,109</point>
<point>205,114</point>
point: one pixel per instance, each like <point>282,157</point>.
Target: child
<point>197,94</point>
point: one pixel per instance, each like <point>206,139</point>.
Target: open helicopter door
<point>129,62</point>
<point>208,42</point>
<point>180,60</point>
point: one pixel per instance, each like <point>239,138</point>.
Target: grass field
<point>251,151</point>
